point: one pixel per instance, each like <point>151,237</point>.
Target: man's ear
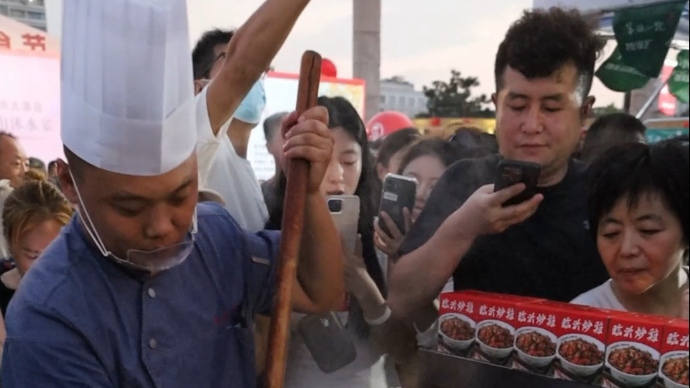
<point>587,107</point>
<point>66,182</point>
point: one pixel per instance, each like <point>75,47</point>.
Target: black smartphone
<point>512,172</point>
<point>399,192</point>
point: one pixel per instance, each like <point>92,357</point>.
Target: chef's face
<point>135,212</point>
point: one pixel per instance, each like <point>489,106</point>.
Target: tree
<point>455,99</point>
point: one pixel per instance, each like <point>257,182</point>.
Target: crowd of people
<point>148,258</point>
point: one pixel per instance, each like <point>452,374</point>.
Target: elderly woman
<point>638,213</point>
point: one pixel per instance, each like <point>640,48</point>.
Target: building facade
<point>30,12</point>
<point>400,95</point>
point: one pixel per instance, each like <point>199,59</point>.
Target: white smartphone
<point>345,212</point>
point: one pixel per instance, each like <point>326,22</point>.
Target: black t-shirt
<point>552,255</point>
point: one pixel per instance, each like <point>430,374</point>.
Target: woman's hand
<point>389,244</point>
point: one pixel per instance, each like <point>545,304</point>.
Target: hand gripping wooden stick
<point>293,223</point>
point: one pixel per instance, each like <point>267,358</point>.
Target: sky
<point>418,41</point>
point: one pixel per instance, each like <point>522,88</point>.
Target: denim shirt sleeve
<point>41,351</point>
<point>263,248</point>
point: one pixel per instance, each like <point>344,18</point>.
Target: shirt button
<point>152,293</point>
<point>152,343</point>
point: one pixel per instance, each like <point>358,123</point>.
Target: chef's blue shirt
<point>79,320</point>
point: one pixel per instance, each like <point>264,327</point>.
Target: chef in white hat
<point>144,288</point>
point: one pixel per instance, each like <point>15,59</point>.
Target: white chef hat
<point>127,84</point>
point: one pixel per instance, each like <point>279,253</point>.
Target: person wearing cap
<point>145,288</point>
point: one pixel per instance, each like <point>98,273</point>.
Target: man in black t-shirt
<point>542,247</point>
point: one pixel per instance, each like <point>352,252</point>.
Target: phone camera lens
<point>335,205</point>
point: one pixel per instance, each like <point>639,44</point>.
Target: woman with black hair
<point>393,149</point>
<point>350,173</point>
<point>425,161</point>
<point>638,213</point>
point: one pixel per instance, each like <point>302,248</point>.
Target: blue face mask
<point>253,105</point>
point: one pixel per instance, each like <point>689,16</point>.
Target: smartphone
<point>399,192</point>
<point>345,213</point>
<point>328,341</point>
<point>512,172</point>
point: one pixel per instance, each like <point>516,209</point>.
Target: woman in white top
<point>638,212</point>
<point>351,172</point>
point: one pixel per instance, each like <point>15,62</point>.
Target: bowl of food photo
<point>581,354</point>
<point>632,363</point>
<point>457,331</point>
<point>496,339</point>
<point>535,347</point>
<point>674,369</point>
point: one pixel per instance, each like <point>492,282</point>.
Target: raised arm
<point>320,271</point>
<point>249,55</point>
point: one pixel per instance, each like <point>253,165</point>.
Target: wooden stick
<point>293,223</point>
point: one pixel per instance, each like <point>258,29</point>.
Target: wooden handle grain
<point>293,223</point>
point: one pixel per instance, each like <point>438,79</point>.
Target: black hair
<point>77,165</point>
<point>471,143</point>
<point>611,130</point>
<point>394,143</point>
<point>341,114</point>
<point>8,134</point>
<point>272,123</point>
<point>438,148</point>
<point>635,170</point>
<point>52,164</point>
<point>204,52</point>
<point>543,41</point>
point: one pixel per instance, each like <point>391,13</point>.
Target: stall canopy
<point>30,91</point>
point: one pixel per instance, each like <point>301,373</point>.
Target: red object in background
<point>435,121</point>
<point>667,101</point>
<point>328,68</point>
<point>385,123</point>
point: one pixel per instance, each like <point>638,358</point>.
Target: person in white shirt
<point>638,213</point>
<point>230,100</point>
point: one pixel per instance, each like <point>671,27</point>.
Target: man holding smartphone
<point>542,246</point>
